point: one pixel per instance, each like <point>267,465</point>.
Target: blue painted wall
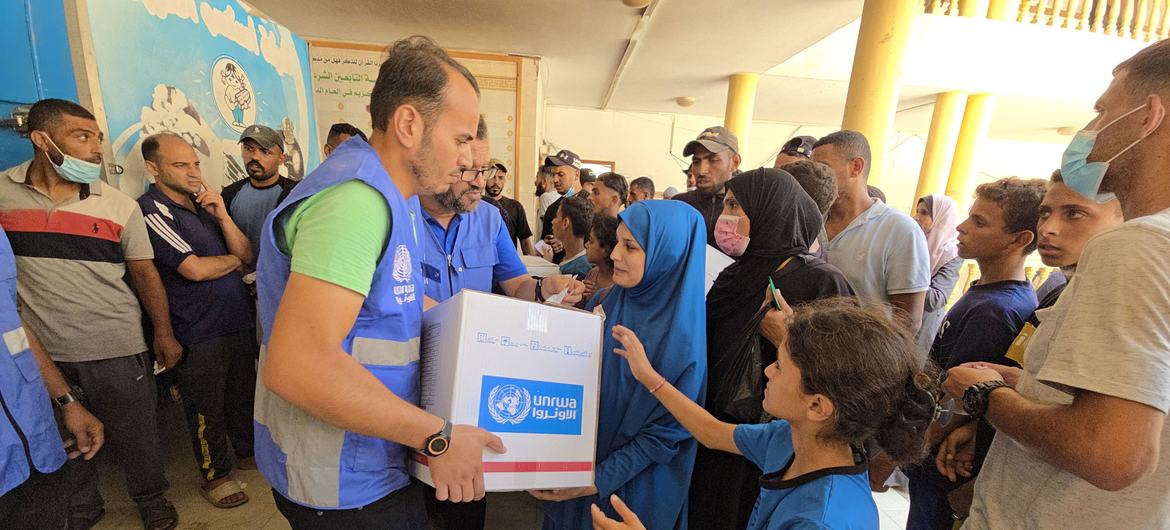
<point>35,63</point>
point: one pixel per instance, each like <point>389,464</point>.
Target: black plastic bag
<point>741,397</point>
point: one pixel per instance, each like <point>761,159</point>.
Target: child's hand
<point>635,355</point>
<point>629,518</point>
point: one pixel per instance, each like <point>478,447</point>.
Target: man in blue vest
<point>340,295</point>
<point>467,246</point>
<point>34,491</point>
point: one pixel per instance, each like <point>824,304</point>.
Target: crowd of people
<point>823,361</point>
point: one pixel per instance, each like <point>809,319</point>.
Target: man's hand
<point>1010,374</point>
<point>458,474</point>
<point>960,378</point>
<point>559,282</point>
<point>212,202</point>
<point>563,494</point>
<point>956,454</point>
<point>774,327</point>
<point>554,243</point>
<point>629,520</point>
<point>168,350</point>
<point>88,433</point>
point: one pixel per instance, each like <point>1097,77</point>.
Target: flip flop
<point>226,489</point>
<point>159,516</point>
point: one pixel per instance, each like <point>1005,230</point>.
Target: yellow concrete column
<point>944,132</point>
<point>741,103</point>
<point>999,9</point>
<point>976,122</point>
<point>873,84</point>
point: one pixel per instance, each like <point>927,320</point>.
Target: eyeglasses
<point>469,175</point>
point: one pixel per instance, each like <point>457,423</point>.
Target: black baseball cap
<point>799,146</point>
<point>564,157</point>
<point>715,140</point>
<point>587,175</point>
<point>265,136</point>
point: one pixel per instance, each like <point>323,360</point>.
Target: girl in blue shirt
<point>844,376</point>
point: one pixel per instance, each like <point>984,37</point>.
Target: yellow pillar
<point>873,85</point>
<point>741,103</point>
<point>999,9</point>
<point>944,132</point>
<point>976,123</point>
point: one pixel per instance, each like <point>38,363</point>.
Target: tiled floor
<point>506,511</point>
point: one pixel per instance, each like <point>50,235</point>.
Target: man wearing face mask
<point>249,200</point>
<point>714,158</point>
<point>565,167</point>
<point>467,246</point>
<point>1083,435</point>
<point>76,240</point>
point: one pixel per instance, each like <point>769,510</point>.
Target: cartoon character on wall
<point>233,93</point>
<point>236,93</point>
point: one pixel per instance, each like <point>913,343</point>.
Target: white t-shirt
<point>543,202</point>
<point>882,252</point>
<point>1109,333</point>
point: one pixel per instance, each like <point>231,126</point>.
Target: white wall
<point>643,143</point>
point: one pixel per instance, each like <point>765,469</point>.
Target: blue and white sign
<point>526,406</point>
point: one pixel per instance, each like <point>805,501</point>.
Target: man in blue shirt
<point>34,489</point>
<point>999,235</point>
<point>199,252</point>
<point>467,246</point>
<point>250,200</point>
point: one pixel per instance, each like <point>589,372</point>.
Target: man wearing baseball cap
<point>249,200</point>
<point>566,172</point>
<point>797,149</point>
<point>714,157</point>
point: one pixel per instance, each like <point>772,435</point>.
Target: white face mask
<point>72,168</point>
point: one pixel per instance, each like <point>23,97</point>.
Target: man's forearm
<point>237,242</point>
<point>55,382</point>
<point>153,296</point>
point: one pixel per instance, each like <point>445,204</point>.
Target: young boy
<point>999,234</point>
<point>571,227</point>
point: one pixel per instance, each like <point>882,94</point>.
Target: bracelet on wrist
<point>658,386</point>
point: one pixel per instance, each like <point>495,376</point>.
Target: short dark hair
<point>481,131</point>
<point>341,128</point>
<point>817,180</point>
<point>869,367</point>
<point>413,74</point>
<point>1148,71</point>
<point>1020,201</point>
<point>579,212</point>
<point>46,114</point>
<point>875,192</point>
<point>151,145</point>
<point>850,145</point>
<point>645,184</point>
<point>604,233</point>
<point>616,183</point>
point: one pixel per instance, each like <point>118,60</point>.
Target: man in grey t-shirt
<point>250,200</point>
<point>1082,425</point>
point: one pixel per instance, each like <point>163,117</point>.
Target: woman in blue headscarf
<point>643,454</point>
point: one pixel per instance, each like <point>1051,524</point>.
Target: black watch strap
<point>64,399</point>
<point>539,289</point>
<point>977,397</point>
<point>438,443</point>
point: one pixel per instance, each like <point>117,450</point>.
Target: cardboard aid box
<point>528,373</point>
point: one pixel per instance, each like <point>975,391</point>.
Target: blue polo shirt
<point>199,310</point>
<point>836,498</point>
<point>466,254</point>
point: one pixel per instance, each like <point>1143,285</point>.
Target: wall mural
<point>204,70</point>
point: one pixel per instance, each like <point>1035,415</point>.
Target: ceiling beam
<point>627,56</point>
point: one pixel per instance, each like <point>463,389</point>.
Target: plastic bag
<point>741,398</point>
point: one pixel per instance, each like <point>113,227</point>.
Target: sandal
<point>217,496</point>
<point>85,522</point>
<point>159,516</point>
<point>247,463</point>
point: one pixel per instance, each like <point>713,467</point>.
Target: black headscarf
<point>784,222</point>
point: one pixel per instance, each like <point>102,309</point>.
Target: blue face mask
<point>1085,177</point>
<point>75,169</point>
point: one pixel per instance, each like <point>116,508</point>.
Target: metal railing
<point>1140,20</point>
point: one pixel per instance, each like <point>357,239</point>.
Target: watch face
<point>437,446</point>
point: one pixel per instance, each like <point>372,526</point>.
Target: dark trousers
<point>455,515</point>
<point>400,510</point>
<point>724,488</point>
<point>121,393</point>
<point>930,508</point>
<point>40,503</point>
<point>217,379</point>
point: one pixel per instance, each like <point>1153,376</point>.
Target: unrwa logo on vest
<point>509,404</point>
<point>402,264</point>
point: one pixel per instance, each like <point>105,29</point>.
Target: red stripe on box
<point>523,467</point>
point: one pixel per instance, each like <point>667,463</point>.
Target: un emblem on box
<point>527,406</point>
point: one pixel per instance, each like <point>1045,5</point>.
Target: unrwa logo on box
<point>527,406</point>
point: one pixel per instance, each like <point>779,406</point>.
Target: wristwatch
<point>64,399</point>
<point>539,289</point>
<point>438,443</point>
<point>976,397</point>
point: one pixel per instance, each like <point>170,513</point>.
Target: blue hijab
<point>643,454</point>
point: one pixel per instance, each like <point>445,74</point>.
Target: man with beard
<point>514,216</point>
<point>546,194</point>
<point>566,172</point>
<point>249,200</point>
<point>341,303</point>
<point>457,255</point>
<point>714,158</point>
